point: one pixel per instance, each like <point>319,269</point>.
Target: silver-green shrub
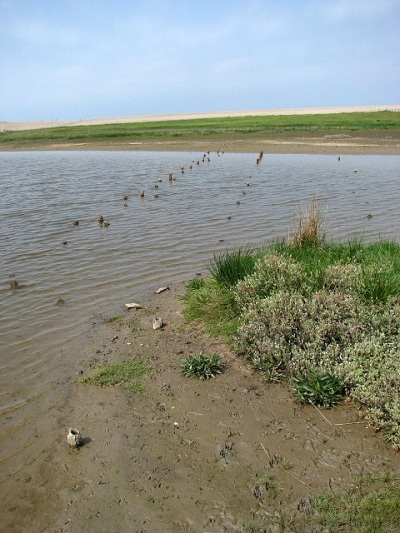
<point>288,330</point>
<point>272,273</point>
<point>344,278</point>
<point>370,370</point>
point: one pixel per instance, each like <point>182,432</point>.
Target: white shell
<point>157,323</point>
<point>134,305</point>
<point>74,438</point>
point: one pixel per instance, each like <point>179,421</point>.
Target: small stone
<point>157,323</point>
<point>74,438</point>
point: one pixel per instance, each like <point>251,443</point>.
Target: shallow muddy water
<point>69,274</point>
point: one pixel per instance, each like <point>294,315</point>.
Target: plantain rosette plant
<point>322,390</point>
<point>202,366</point>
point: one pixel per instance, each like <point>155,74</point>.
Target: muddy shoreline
<point>381,142</point>
<point>183,456</point>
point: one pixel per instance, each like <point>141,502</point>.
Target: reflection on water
<point>166,236</point>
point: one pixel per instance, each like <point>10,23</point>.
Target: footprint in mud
<point>225,452</point>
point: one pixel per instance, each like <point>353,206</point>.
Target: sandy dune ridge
<point>14,126</point>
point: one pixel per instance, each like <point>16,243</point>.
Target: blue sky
<point>81,59</point>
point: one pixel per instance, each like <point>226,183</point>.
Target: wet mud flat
<point>368,142</point>
<point>184,455</point>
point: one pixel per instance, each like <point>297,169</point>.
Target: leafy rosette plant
<point>202,366</point>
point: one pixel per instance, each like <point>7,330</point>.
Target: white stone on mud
<point>157,323</point>
<point>74,438</point>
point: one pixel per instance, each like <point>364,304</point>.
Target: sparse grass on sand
<point>371,505</point>
<point>125,374</point>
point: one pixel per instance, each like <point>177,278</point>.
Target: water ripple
<point>68,272</point>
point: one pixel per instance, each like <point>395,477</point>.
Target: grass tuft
<point>322,390</point>
<point>202,367</point>
<point>215,306</point>
<point>228,267</point>
<point>195,284</point>
<point>309,231</point>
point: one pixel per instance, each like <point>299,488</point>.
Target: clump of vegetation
<point>195,284</point>
<point>272,272</point>
<point>202,367</point>
<point>323,390</point>
<point>373,504</point>
<point>124,374</point>
<point>325,316</point>
<point>228,268</point>
<point>309,230</point>
<point>215,306</point>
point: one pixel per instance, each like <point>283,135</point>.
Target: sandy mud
<point>184,455</point>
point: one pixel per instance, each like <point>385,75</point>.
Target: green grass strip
<point>192,128</point>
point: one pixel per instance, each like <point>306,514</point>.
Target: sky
<point>83,59</point>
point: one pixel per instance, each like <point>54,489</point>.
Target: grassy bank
<point>335,123</point>
<point>323,317</point>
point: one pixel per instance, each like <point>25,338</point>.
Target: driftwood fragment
<point>133,305</point>
<point>161,289</point>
